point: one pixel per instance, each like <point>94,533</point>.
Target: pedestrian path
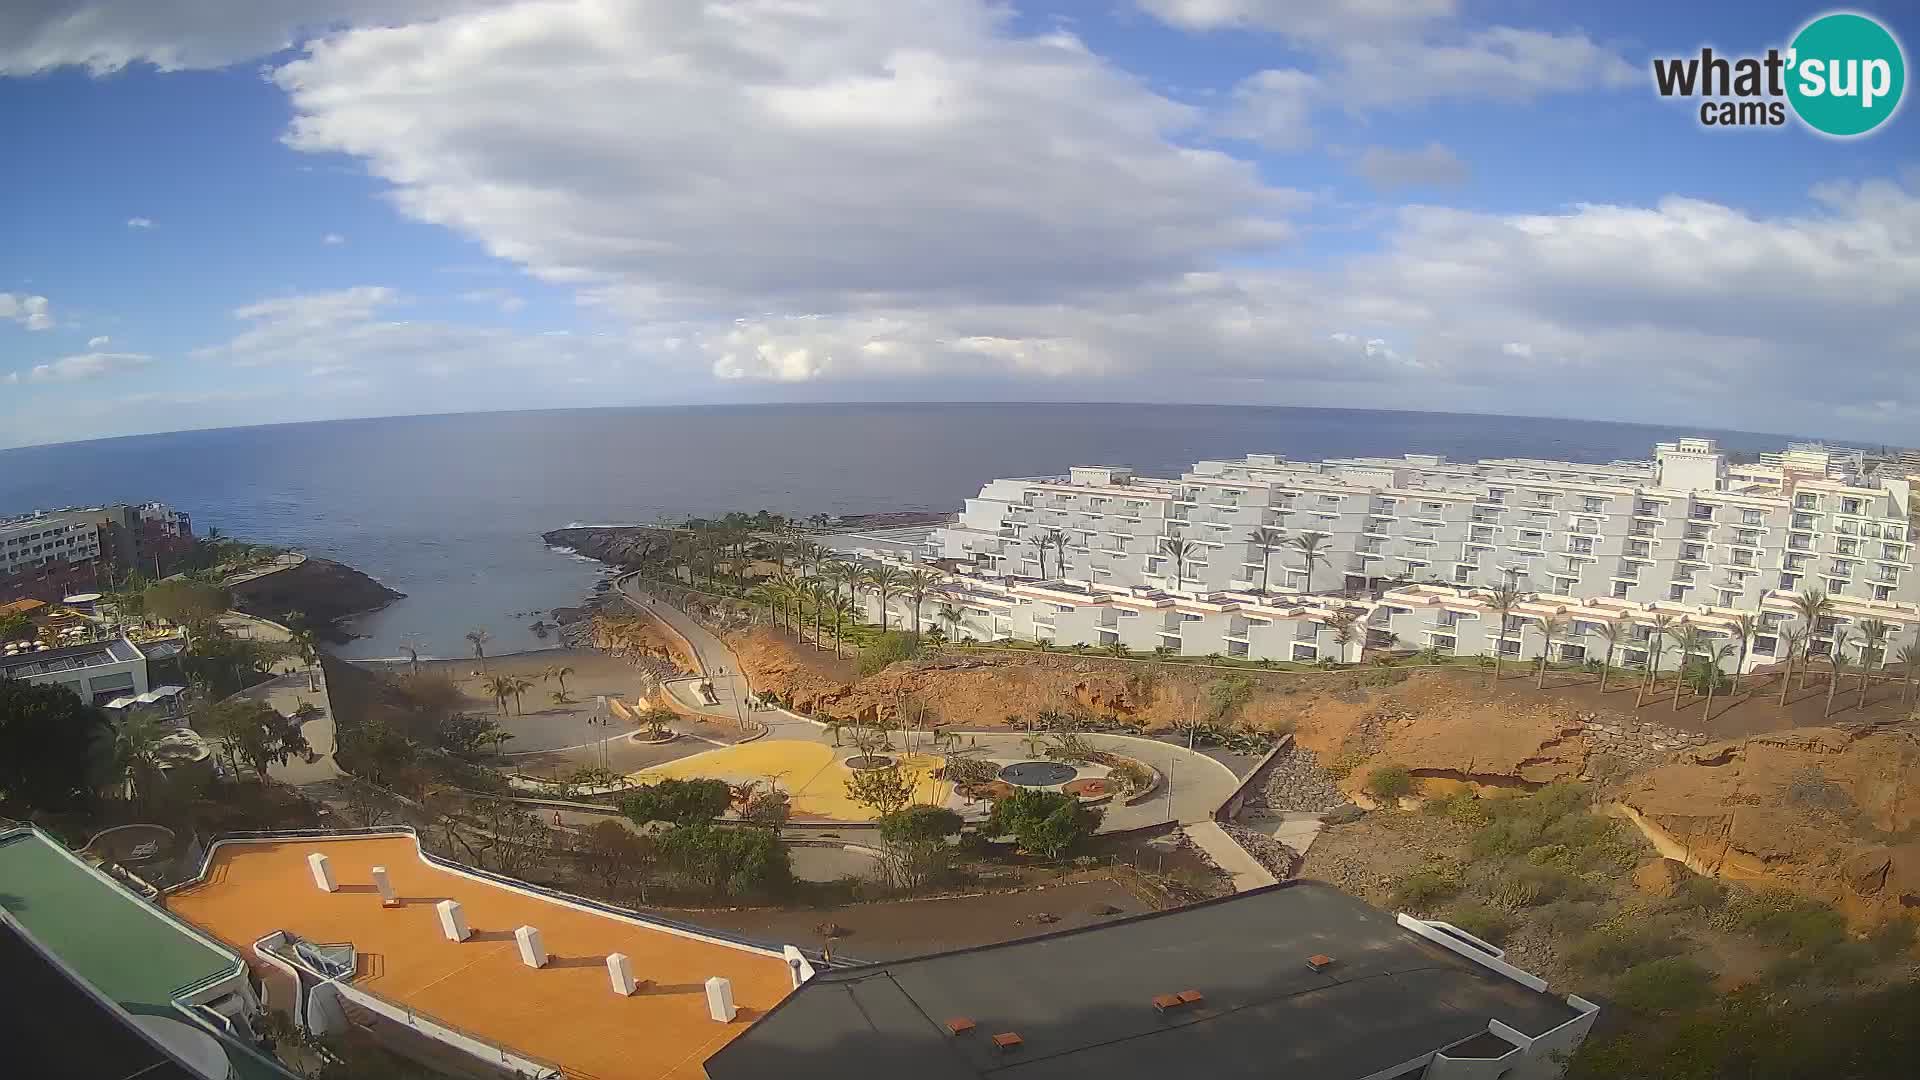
<point>1229,856</point>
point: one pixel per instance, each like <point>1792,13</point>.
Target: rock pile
<point>1279,859</point>
<point>1637,743</point>
<point>1297,781</point>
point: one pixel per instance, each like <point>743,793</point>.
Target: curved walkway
<point>1194,784</point>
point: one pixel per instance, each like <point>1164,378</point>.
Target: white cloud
<point>796,157</point>
<point>1499,64</point>
<point>32,312</point>
<point>333,239</point>
<point>1273,108</point>
<point>99,342</point>
<point>358,332</point>
<point>139,223</point>
<point>93,365</point>
<point>1301,18</point>
<point>1433,165</point>
<point>506,300</point>
<point>107,35</point>
<point>1518,349</point>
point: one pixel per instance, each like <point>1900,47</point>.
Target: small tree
<point>729,861</point>
<point>885,790</point>
<point>1044,823</point>
<point>187,603</point>
<point>916,844</point>
<point>679,802</point>
<point>616,855</point>
<point>251,733</point>
<point>54,748</point>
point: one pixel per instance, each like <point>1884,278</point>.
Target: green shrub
<point>1422,889</point>
<point>1669,984</point>
<point>1570,918</point>
<point>1775,915</point>
<point>728,861</point>
<point>890,647</point>
<point>1483,922</point>
<point>1461,805</point>
<point>680,802</point>
<point>1045,823</point>
<point>1610,950</point>
<point>1527,886</point>
<point>1698,893</point>
<point>1390,782</point>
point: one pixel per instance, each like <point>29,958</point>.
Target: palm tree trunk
<point>1786,677</point>
<point>1605,667</point>
<point>1713,679</point>
<point>1679,681</point>
<point>1862,702</point>
<point>1832,685</point>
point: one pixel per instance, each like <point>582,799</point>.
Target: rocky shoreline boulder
<point>325,591</point>
<point>627,546</point>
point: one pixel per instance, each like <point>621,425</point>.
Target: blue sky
<point>240,212</point>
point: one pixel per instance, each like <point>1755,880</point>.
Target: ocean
<point>449,509</point>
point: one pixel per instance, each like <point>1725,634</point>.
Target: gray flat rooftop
<point>71,658</point>
<point>1081,1001</point>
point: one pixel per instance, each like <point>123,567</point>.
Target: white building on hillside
<point>1101,556</point>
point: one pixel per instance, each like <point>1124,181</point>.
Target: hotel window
<point>1752,517</point>
<point>1567,585</point>
<point>1883,592</point>
<point>1594,505</point>
<point>1677,592</point>
<point>1804,501</point>
<point>1847,547</point>
<point>1728,598</point>
<point>1835,585</point>
<point>1849,506</point>
<point>1789,581</point>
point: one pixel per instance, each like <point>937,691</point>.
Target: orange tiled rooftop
<point>565,1013</point>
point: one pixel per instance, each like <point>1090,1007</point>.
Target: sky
<point>223,212</point>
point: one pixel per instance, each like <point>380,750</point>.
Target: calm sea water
<point>449,509</point>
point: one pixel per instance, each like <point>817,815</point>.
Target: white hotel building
<point>1413,542</point>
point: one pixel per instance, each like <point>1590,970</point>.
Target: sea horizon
<point>449,508</point>
<point>965,403</point>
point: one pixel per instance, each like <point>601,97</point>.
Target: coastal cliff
<point>628,546</point>
<point>326,591</point>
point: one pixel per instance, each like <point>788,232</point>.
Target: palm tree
<point>411,645</point>
<point>884,581</point>
<point>785,589</point>
<point>1713,675</point>
<point>823,597</point>
<point>1837,660</point>
<point>1552,627</point>
<point>1745,626</point>
<point>1343,624</point>
<point>136,744</point>
<point>1657,629</point>
<point>1691,642</point>
<point>1056,539</point>
<point>953,617</point>
<point>1611,633</point>
<point>1268,541</point>
<point>1811,605</point>
<point>307,649</point>
<point>1908,657</point>
<point>841,574</point>
<point>1179,551</point>
<point>479,638</point>
<point>1506,596</point>
<point>520,686</point>
<point>915,584</point>
<point>557,673</point>
<point>1309,545</point>
<point>1873,649</point>
<point>1796,639</point>
<point>501,687</point>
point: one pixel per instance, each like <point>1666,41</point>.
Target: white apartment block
<point>1412,542</point>
<point>62,536</point>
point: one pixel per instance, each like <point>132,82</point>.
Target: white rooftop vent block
<point>720,1000</point>
<point>322,872</point>
<point>384,886</point>
<point>532,952</point>
<point>620,973</point>
<point>453,921</point>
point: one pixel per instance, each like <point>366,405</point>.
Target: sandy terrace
<point>564,1013</point>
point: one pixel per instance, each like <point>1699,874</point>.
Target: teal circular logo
<point>1845,74</point>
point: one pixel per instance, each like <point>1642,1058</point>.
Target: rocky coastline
<point>627,546</point>
<point>326,592</point>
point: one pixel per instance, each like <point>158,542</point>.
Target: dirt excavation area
<point>1828,813</point>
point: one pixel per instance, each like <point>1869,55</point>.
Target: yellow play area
<point>812,774</point>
